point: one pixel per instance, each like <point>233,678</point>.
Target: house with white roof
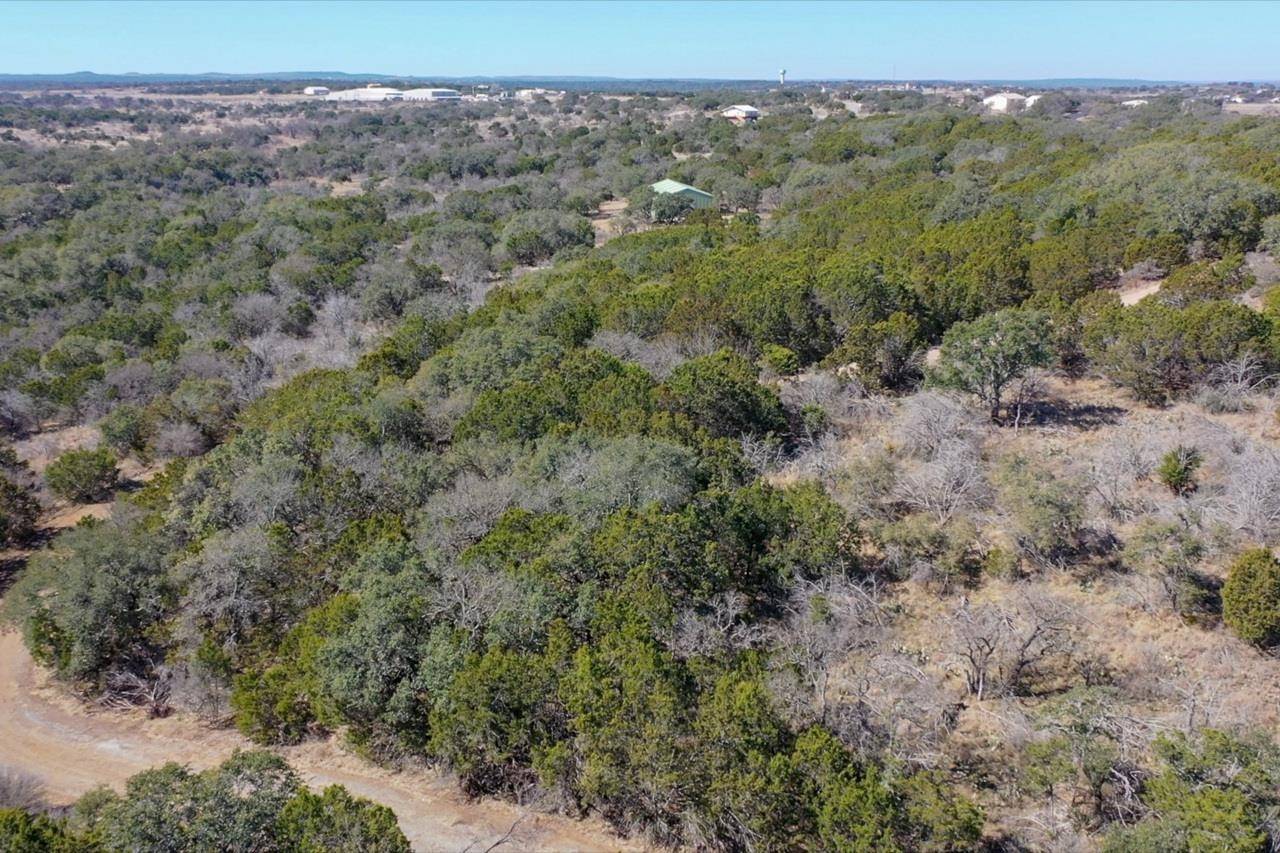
<point>1005,102</point>
<point>741,113</point>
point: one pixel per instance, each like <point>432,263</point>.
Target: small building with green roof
<point>696,197</point>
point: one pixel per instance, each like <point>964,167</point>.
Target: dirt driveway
<point>72,748</point>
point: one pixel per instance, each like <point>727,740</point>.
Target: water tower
<point>782,77</point>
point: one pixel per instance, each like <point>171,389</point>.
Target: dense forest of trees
<point>544,528</point>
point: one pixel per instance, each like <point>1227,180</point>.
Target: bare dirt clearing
<point>41,448</point>
<point>1138,291</point>
<point>603,221</point>
<point>73,749</point>
<point>1252,109</point>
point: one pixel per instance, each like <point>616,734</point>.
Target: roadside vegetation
<point>860,514</point>
<point>251,802</point>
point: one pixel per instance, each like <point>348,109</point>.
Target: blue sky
<point>963,40</point>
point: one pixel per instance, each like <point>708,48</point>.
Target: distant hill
<point>92,78</point>
<point>1083,83</point>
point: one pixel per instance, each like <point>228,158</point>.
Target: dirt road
<point>72,748</point>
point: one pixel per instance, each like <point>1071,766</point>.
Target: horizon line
<point>333,74</point>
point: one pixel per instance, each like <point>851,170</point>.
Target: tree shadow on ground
<point>1058,412</point>
<point>11,565</point>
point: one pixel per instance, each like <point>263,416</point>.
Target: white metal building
<point>432,95</point>
<point>372,93</point>
<point>316,90</point>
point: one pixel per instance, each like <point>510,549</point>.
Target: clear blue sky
<point>1154,40</point>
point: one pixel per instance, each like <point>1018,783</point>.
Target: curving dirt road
<point>73,748</point>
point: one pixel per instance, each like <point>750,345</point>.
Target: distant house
<point>741,113</point>
<point>1135,102</point>
<point>1031,101</point>
<point>372,93</point>
<point>1004,102</point>
<point>316,90</point>
<point>432,95</point>
<point>698,198</point>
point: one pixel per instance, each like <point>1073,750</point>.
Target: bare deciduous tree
<point>998,650</point>
<point>135,381</point>
<point>949,483</point>
<point>228,582</point>
<point>17,413</point>
<point>179,439</point>
<point>256,313</point>
<point>716,628</point>
<point>266,492</point>
<point>1231,385</point>
<point>824,460</point>
<point>469,596</point>
<point>465,513</point>
<point>893,705</point>
<point>20,790</point>
<point>1024,391</point>
<point>763,453</point>
<point>659,357</point>
<point>826,620</point>
<point>834,394</point>
<point>930,420</point>
<point>1113,471</point>
<point>1251,493</point>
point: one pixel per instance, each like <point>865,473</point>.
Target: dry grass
<point>1168,673</point>
<point>40,449</point>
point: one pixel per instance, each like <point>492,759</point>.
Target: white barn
<point>316,90</point>
<point>372,93</point>
<point>432,95</point>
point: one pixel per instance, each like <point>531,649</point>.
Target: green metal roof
<point>669,186</point>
